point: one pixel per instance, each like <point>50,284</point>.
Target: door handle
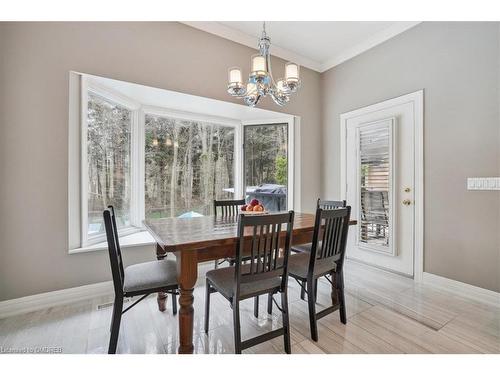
<point>407,202</point>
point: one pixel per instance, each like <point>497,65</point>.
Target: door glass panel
<point>266,165</point>
<point>374,143</point>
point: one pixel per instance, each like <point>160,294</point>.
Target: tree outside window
<point>188,165</point>
<point>108,162</point>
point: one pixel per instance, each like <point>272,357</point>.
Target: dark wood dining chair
<point>325,205</point>
<point>326,258</point>
<point>227,208</point>
<point>265,273</point>
<point>330,205</point>
<point>306,248</point>
<point>136,280</point>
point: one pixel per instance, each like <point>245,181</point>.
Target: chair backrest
<point>115,254</point>
<point>330,205</point>
<point>261,238</point>
<point>330,237</point>
<point>228,207</point>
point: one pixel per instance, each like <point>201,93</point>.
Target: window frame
<point>108,95</point>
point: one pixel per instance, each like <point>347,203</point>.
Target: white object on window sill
<point>132,240</point>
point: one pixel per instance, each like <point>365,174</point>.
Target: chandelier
<point>261,81</point>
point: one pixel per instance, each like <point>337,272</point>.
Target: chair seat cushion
<point>150,275</point>
<point>298,266</point>
<point>304,248</point>
<point>222,279</point>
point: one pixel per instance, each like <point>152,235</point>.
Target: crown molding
<point>240,37</point>
<point>367,44</point>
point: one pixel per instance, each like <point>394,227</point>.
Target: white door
<point>379,184</point>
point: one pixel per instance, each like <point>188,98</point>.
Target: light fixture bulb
<point>235,75</point>
<point>259,64</point>
<point>235,86</point>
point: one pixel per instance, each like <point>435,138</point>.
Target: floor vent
<point>107,305</point>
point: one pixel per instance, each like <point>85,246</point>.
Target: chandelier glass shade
<point>260,80</point>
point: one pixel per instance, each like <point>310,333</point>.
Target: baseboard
<point>59,297</point>
<point>475,293</point>
<point>378,269</point>
<point>472,292</point>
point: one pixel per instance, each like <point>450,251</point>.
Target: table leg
<point>162,296</point>
<point>187,273</point>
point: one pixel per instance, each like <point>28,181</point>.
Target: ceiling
<point>318,45</point>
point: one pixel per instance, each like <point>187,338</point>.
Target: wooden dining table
<point>200,239</point>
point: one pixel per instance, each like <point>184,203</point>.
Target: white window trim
<point>135,221</point>
<point>189,116</point>
<point>138,239</point>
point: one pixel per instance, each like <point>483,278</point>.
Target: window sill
<point>132,240</point>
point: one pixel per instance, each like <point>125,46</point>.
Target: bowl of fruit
<point>253,208</point>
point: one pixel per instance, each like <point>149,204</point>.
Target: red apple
<point>244,208</point>
<point>254,202</point>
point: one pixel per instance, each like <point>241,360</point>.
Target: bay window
<point>153,162</point>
